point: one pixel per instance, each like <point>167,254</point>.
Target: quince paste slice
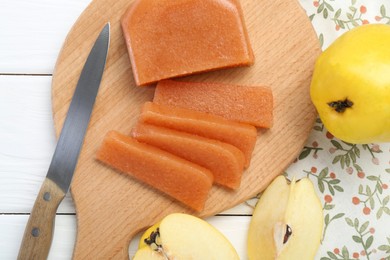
<point>185,181</point>
<point>246,104</point>
<point>168,38</point>
<point>225,161</point>
<point>242,136</point>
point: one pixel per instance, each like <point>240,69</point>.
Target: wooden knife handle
<point>39,230</point>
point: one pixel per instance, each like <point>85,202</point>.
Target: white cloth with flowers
<point>352,181</point>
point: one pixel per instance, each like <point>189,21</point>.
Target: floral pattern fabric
<point>352,181</point>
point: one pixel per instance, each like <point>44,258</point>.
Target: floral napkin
<point>352,181</point>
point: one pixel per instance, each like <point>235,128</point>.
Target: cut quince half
<point>182,236</point>
<point>287,222</point>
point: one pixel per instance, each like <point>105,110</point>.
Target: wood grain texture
<point>38,234</point>
<point>285,54</point>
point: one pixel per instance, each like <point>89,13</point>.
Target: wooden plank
<point>32,33</point>
<point>27,142</point>
<point>12,228</point>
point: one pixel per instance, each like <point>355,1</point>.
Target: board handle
<point>40,226</point>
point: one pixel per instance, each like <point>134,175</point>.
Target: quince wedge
<point>183,236</point>
<point>287,222</point>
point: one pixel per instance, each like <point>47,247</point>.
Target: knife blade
<point>40,226</point>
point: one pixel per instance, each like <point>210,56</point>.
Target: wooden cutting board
<point>112,207</point>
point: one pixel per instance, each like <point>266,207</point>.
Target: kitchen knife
<point>39,230</point>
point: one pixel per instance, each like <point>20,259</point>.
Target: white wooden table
<point>31,35</point>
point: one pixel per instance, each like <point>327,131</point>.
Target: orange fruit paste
<point>181,179</point>
<point>247,104</point>
<point>242,136</point>
<point>225,161</point>
<point>168,38</point>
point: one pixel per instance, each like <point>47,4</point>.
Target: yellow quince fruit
<point>350,87</point>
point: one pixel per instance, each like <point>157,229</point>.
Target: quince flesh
<point>287,222</point>
<point>182,236</point>
<point>351,85</point>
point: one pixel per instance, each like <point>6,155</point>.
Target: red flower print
<point>355,200</point>
<point>378,18</point>
<point>328,198</point>
<point>313,169</point>
<point>375,161</point>
<point>329,135</point>
<point>363,9</point>
<point>365,22</point>
<point>349,170</point>
<point>316,3</point>
<point>372,230</point>
<point>361,175</point>
<point>384,186</point>
<point>355,255</point>
<point>366,210</point>
<point>336,251</point>
<point>332,175</point>
<point>375,148</point>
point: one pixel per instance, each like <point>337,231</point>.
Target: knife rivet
<point>47,196</point>
<point>35,232</point>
